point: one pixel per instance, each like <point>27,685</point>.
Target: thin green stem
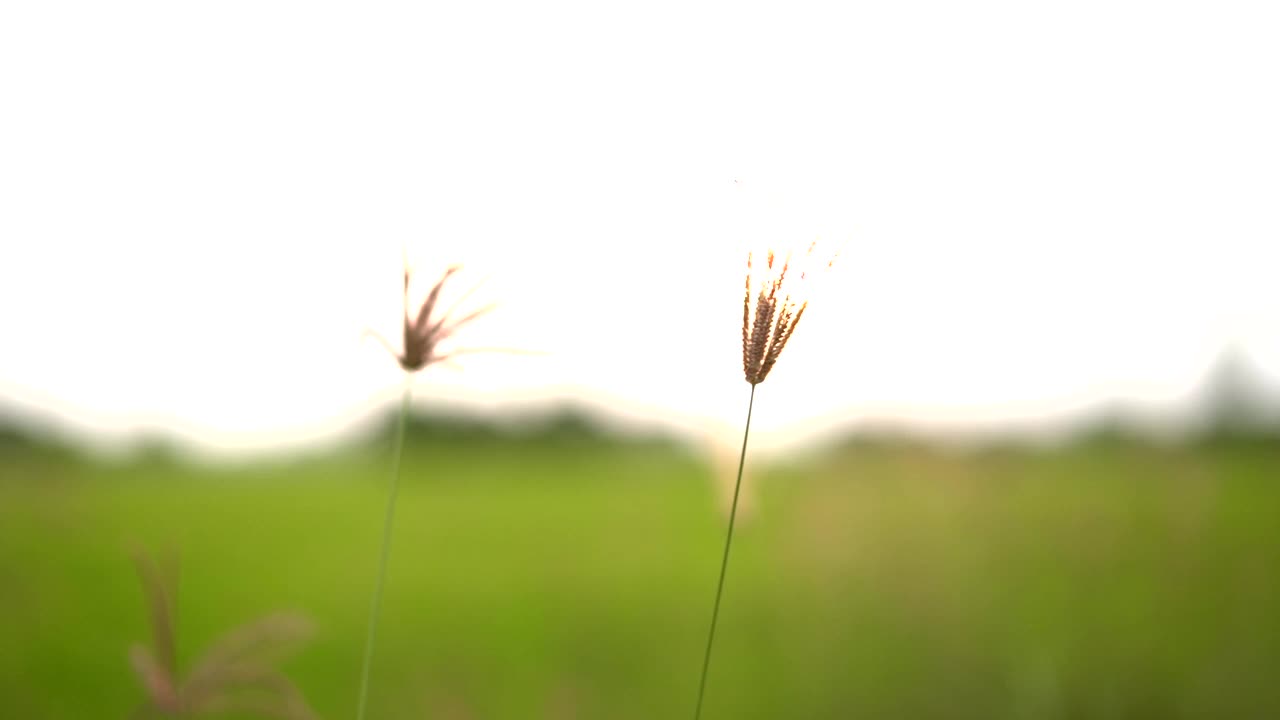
<point>724,562</point>
<point>376,602</point>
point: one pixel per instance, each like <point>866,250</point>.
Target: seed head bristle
<point>780,328</point>
<point>785,328</point>
<point>746,323</point>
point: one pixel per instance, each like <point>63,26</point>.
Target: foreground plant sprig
<point>423,333</point>
<point>236,674</point>
<point>771,309</point>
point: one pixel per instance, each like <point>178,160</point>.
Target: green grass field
<point>574,580</point>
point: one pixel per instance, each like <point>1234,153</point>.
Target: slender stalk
<point>724,562</point>
<point>376,602</point>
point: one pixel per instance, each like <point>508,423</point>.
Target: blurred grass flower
<point>775,299</point>
<point>424,331</point>
<point>237,674</point>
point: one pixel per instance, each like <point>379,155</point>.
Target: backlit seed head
<point>772,306</point>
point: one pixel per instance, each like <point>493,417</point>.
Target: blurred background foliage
<point>561,571</point>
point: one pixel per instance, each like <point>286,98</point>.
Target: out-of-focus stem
<point>376,602</point>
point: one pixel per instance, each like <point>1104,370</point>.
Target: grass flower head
<point>424,330</point>
<point>774,302</point>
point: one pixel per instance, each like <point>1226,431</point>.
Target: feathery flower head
<point>774,302</point>
<point>425,329</point>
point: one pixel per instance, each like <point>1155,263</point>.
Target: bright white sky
<point>1041,205</point>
